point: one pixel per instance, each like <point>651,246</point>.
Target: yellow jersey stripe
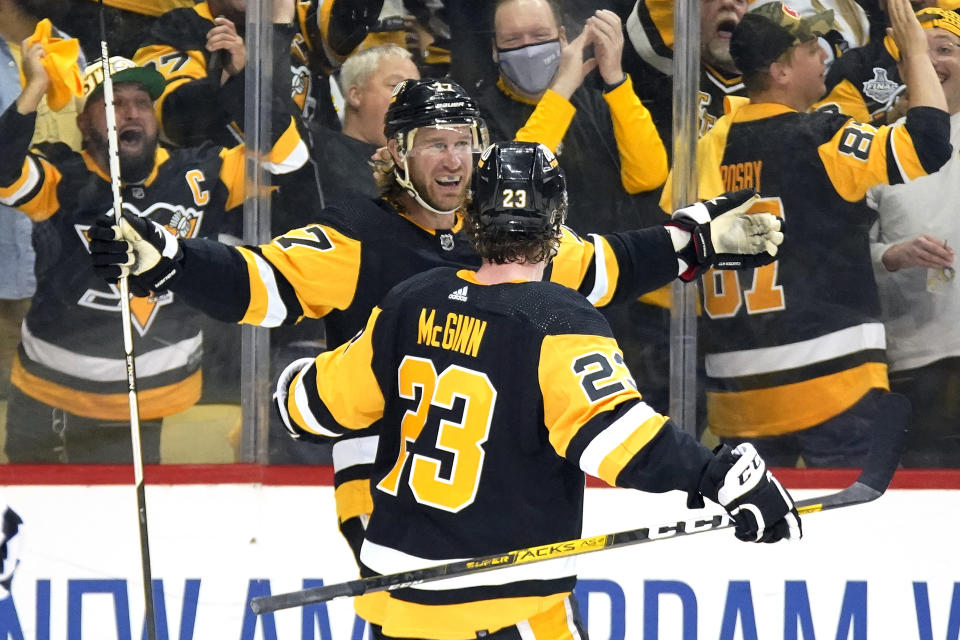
<point>605,275</point>
<point>231,175</point>
<point>451,621</point>
<point>353,499</point>
<point>45,203</point>
<point>626,448</point>
<point>154,403</point>
<point>905,154</point>
<point>264,296</point>
<point>788,408</point>
<point>352,396</point>
<point>557,623</point>
<point>289,153</point>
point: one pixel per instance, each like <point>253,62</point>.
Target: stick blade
<point>889,442</point>
<point>267,604</point>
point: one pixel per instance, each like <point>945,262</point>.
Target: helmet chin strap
<point>407,184</point>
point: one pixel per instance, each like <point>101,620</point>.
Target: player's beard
<point>134,167</point>
<point>424,190</point>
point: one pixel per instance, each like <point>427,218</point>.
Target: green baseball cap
<point>121,70</point>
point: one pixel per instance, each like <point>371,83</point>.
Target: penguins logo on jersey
<point>183,221</point>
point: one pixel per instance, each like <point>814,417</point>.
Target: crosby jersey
<point>793,343</point>
<point>494,400</point>
<point>176,47</point>
<point>71,353</point>
<point>341,266</point>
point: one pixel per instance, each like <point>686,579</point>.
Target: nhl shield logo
<point>881,88</point>
<point>446,241</point>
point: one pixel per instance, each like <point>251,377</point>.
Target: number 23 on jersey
<point>598,374</point>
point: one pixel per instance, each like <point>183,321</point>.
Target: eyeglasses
<point>943,51</point>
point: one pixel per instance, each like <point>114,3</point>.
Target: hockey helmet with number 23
<point>519,187</point>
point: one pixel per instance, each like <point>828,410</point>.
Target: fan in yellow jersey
<point>794,351</point>
<point>341,265</point>
<point>70,397</point>
<point>497,392</point>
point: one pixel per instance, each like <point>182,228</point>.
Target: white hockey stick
<point>114,155</point>
<point>882,460</point>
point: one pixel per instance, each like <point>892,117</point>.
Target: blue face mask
<point>531,68</point>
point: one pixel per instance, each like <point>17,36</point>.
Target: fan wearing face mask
<point>588,114</point>
<point>604,136</point>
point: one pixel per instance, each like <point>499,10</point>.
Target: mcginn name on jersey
<point>458,333</point>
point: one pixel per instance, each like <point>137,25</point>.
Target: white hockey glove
<point>759,505</point>
<point>11,541</point>
<point>148,253</point>
<point>283,392</point>
<point>723,235</point>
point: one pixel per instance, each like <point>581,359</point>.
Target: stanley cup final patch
<point>881,88</point>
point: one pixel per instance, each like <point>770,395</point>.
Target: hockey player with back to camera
<point>523,381</point>
<point>341,265</point>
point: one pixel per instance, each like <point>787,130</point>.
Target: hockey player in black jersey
<point>341,265</point>
<point>70,396</point>
<point>496,392</point>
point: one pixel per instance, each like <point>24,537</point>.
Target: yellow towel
<point>61,65</point>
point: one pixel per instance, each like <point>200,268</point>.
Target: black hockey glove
<point>759,505</point>
<point>282,393</point>
<point>148,253</point>
<point>11,539</point>
<point>725,236</point>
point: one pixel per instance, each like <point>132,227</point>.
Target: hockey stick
<point>882,460</point>
<point>114,154</point>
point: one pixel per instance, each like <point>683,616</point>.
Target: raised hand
<point>607,36</point>
<point>573,69</point>
<point>224,37</point>
<point>37,79</point>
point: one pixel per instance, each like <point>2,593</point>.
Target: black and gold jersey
<point>649,59</point>
<point>71,352</point>
<point>798,341</point>
<point>863,83</point>
<point>187,109</point>
<point>493,400</point>
<point>339,267</point>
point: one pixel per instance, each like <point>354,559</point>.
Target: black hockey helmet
<point>427,103</point>
<point>519,187</point>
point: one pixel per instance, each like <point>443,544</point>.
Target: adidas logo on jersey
<point>460,294</point>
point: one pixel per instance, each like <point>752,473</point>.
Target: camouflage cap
<point>800,27</point>
<point>765,33</point>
